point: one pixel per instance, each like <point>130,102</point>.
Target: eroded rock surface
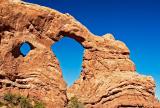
<point>108,78</point>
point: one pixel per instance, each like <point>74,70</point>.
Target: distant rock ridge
<point>108,78</point>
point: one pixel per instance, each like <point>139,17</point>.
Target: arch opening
<point>22,49</point>
<point>69,52</point>
<point>25,48</point>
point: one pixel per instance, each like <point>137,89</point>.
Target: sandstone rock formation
<point>108,78</point>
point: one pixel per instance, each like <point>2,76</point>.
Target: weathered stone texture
<point>108,78</point>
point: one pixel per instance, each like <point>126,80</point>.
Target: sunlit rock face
<point>108,78</point>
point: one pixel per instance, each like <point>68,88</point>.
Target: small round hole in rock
<point>25,48</point>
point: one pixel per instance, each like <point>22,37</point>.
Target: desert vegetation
<point>75,103</point>
<point>18,101</point>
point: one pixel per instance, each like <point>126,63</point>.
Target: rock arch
<point>70,56</point>
<point>108,77</point>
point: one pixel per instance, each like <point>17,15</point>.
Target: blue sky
<point>135,22</point>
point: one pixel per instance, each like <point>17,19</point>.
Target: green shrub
<point>19,101</point>
<point>10,98</point>
<point>39,105</point>
<point>25,102</point>
<point>74,103</point>
<point>1,104</point>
